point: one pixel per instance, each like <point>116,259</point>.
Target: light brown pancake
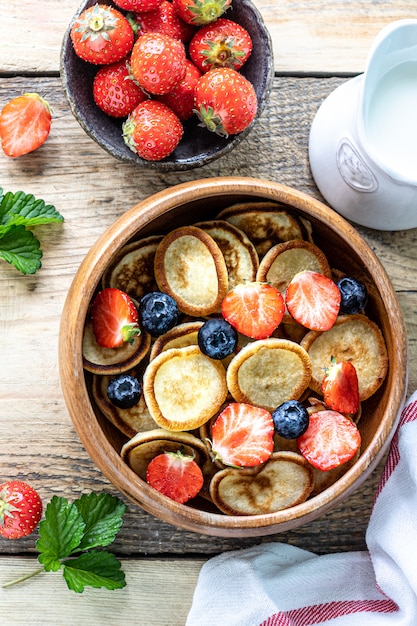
<point>183,388</point>
<point>268,372</point>
<point>285,480</point>
<point>190,267</point>
<point>353,338</point>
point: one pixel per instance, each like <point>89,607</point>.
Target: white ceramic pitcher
<point>363,140</point>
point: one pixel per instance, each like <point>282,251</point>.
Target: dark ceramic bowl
<point>198,146</point>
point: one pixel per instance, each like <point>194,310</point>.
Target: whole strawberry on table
<point>160,63</point>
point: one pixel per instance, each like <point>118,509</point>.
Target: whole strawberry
<point>20,509</point>
<point>158,62</point>
<point>152,130</point>
<point>199,12</point>
<point>137,5</point>
<point>25,123</point>
<point>102,35</point>
<point>225,101</point>
<point>181,98</point>
<point>114,90</point>
<point>164,19</point>
<point>223,43</point>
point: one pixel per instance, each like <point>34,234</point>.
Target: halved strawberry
<point>313,300</point>
<point>255,309</point>
<point>114,317</point>
<point>25,123</point>
<point>242,435</point>
<point>176,475</point>
<point>330,440</point>
<point>340,387</point>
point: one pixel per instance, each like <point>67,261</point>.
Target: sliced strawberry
<point>340,387</point>
<point>255,309</point>
<point>313,300</point>
<point>175,475</point>
<point>25,123</point>
<point>242,435</point>
<point>330,440</point>
<point>114,317</point>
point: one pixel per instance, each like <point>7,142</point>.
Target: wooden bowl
<point>191,202</point>
<point>198,146</point>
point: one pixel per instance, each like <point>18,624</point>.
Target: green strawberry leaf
<point>24,209</point>
<point>20,248</point>
<point>94,569</point>
<point>60,533</point>
<point>102,514</point>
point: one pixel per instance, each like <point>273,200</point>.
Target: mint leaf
<point>102,514</point>
<point>24,209</point>
<point>60,533</point>
<point>94,569</point>
<point>20,248</point>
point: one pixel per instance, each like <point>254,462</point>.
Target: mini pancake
<point>190,267</point>
<point>139,451</point>
<point>285,480</point>
<point>183,388</point>
<point>128,421</point>
<point>99,360</point>
<point>268,372</point>
<point>132,269</point>
<point>182,335</point>
<point>239,253</point>
<point>282,262</point>
<point>353,338</point>
<point>265,223</point>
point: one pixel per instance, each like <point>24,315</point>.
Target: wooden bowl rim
<point>82,414</point>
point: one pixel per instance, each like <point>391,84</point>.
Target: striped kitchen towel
<point>275,584</point>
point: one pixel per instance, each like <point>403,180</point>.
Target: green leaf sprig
<point>18,213</point>
<point>71,538</point>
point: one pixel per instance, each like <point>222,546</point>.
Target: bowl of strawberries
<point>233,356</point>
<point>170,85</point>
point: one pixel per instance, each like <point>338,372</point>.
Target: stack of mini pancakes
<point>184,390</point>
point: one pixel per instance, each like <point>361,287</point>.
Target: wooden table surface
<point>317,46</point>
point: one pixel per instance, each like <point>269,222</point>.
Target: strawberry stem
<point>23,578</point>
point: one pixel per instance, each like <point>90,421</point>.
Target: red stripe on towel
<point>319,613</point>
<point>409,414</point>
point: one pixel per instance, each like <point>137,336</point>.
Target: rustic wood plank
<point>157,592</point>
<point>38,441</point>
<point>337,41</point>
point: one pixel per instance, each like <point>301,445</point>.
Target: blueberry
<point>290,419</point>
<point>354,295</point>
<point>158,313</point>
<point>217,338</point>
<point>124,391</point>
